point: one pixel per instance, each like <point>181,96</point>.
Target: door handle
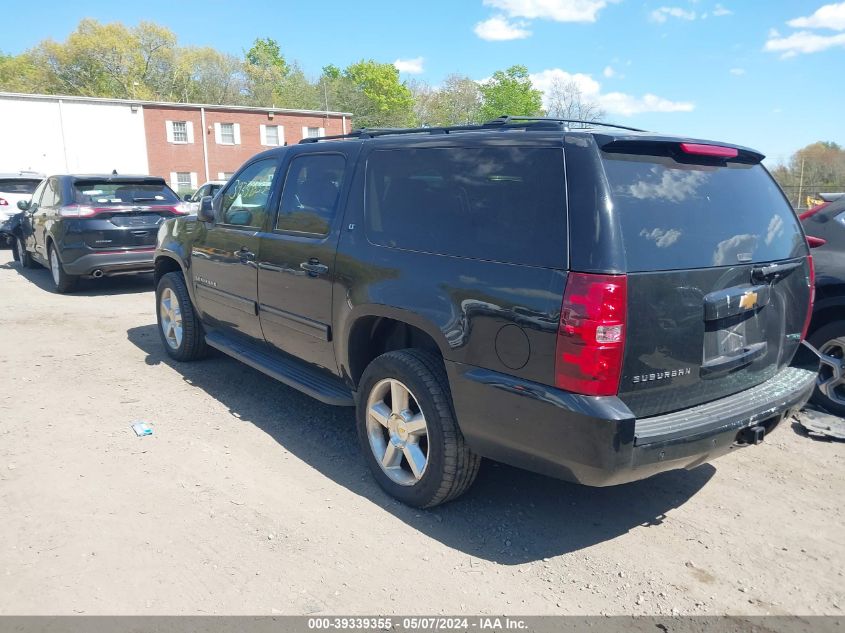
<point>314,267</point>
<point>245,255</point>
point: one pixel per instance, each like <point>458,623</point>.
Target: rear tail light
<point>716,151</point>
<point>815,242</point>
<point>811,212</point>
<point>591,334</point>
<point>182,209</point>
<point>77,211</point>
<point>811,281</point>
<point>4,202</point>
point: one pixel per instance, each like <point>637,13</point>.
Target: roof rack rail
<point>506,121</point>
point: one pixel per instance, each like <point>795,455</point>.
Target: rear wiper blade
<point>773,271</point>
<point>142,199</point>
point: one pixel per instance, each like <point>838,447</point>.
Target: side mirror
<point>187,197</point>
<point>206,211</point>
<point>815,242</point>
<point>23,205</point>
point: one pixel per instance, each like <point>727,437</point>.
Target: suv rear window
<point>18,185</point>
<point>104,193</point>
<point>677,215</point>
<point>504,204</point>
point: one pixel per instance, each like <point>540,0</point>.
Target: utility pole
<point>800,185</point>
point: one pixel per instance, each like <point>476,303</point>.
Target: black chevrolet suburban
<point>598,304</point>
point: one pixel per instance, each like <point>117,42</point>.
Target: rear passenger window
<point>310,196</point>
<point>504,204</point>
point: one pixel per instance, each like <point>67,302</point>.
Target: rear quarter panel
<point>465,305</point>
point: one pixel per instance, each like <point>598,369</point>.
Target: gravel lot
<point>251,498</point>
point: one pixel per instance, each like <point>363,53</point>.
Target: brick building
<point>186,144</point>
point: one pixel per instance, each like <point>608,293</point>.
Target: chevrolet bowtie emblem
<point>749,300</point>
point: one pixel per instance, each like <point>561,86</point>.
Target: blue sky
<point>767,74</point>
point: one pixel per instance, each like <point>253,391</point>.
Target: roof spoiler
<point>682,150</point>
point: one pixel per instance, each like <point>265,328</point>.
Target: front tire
<point>830,340</point>
<point>179,326</point>
<point>62,282</point>
<point>408,432</point>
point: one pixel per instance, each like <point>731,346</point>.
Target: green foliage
<point>456,102</point>
<point>510,92</point>
<point>383,100</point>
<point>816,168</point>
<point>266,53</point>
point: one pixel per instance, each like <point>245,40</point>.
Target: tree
<point>20,73</point>
<point>108,60</point>
<point>510,92</point>
<point>816,168</point>
<point>456,102</point>
<point>265,69</point>
<point>295,90</point>
<point>386,100</point>
<point>205,75</point>
<point>566,101</point>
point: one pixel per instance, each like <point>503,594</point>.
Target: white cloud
<point>627,105</point>
<point>412,66</point>
<point>608,72</point>
<point>803,42</point>
<point>830,16</point>
<point>719,11</point>
<point>737,71</point>
<point>664,13</point>
<point>499,29</point>
<point>557,10</point>
<point>612,102</point>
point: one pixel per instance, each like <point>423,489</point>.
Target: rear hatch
<point>124,214</point>
<point>718,274</point>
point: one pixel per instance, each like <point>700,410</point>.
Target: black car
<point>825,227</point>
<point>94,225</point>
<point>596,304</point>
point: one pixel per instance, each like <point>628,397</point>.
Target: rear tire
<point>422,427</point>
<point>830,339</point>
<point>15,250</point>
<point>24,256</point>
<point>62,282</point>
<point>179,326</point>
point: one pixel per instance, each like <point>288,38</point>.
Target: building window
<point>313,132</point>
<point>180,132</point>
<point>225,175</point>
<point>183,181</point>
<point>227,133</point>
<point>272,135</point>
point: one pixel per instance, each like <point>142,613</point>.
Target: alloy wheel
<point>171,318</point>
<point>832,374</point>
<point>397,431</point>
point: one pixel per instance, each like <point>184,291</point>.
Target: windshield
<point>678,216</point>
<point>18,185</point>
<point>101,193</point>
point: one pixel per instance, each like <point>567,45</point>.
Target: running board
<point>287,369</point>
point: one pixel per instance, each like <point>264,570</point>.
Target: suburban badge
<point>662,375</point>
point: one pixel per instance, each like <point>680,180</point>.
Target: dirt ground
<point>251,498</point>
